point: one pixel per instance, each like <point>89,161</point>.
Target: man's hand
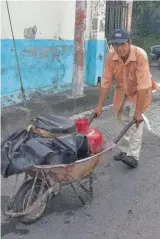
<point>98,110</point>
<point>138,117</point>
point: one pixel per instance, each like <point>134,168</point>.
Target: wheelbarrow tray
<point>66,173</point>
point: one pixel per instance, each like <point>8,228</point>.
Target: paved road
<point>126,203</point>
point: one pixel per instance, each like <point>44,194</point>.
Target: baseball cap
<point>119,36</point>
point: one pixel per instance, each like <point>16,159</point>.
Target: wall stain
<point>52,61</point>
<point>101,26</point>
<point>33,52</point>
<point>94,24</point>
<point>2,70</point>
<point>41,53</point>
<point>60,74</point>
<point>30,33</point>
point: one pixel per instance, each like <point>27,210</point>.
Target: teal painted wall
<point>45,66</point>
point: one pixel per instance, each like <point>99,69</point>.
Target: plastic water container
<point>95,136</point>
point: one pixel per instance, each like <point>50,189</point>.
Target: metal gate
<point>116,16</point>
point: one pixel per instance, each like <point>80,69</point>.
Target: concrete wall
<point>41,54</point>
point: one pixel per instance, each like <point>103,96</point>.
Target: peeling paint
<point>39,68</point>
<point>47,65</point>
<point>30,33</point>
<point>94,23</point>
<point>101,26</point>
<point>11,99</point>
<point>98,13</point>
<point>51,74</point>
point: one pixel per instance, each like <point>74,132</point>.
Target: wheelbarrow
<point>42,182</point>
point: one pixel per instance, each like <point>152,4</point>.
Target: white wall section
<point>41,19</point>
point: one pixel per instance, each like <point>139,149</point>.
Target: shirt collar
<point>132,55</point>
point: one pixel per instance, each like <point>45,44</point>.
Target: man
<point>129,67</point>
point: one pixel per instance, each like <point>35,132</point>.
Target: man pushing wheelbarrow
<point>129,66</point>
<point>55,151</point>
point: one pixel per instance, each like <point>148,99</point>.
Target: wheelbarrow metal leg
<point>77,194</point>
<point>90,185</point>
<point>83,187</point>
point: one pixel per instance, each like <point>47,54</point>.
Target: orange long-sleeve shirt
<point>130,77</point>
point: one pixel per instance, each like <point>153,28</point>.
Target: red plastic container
<point>82,126</point>
<point>95,137</point>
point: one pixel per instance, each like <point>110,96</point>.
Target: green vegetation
<point>146,24</point>
<point>146,43</point>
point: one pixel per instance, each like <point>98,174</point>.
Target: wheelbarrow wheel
<point>22,197</point>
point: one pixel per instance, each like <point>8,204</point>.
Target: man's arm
<point>102,95</point>
<point>105,85</point>
<point>144,98</point>
<point>144,85</point>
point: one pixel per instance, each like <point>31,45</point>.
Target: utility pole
<point>79,49</point>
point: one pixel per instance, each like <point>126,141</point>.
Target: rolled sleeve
<point>143,75</point>
<point>107,75</point>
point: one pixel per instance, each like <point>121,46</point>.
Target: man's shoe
<point>120,156</point>
<point>130,161</point>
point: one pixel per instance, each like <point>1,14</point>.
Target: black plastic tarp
<point>24,149</point>
<point>55,124</point>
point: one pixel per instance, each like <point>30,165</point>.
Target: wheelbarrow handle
<point>92,117</point>
<point>122,133</point>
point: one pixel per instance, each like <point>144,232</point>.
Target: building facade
<point>38,47</point>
